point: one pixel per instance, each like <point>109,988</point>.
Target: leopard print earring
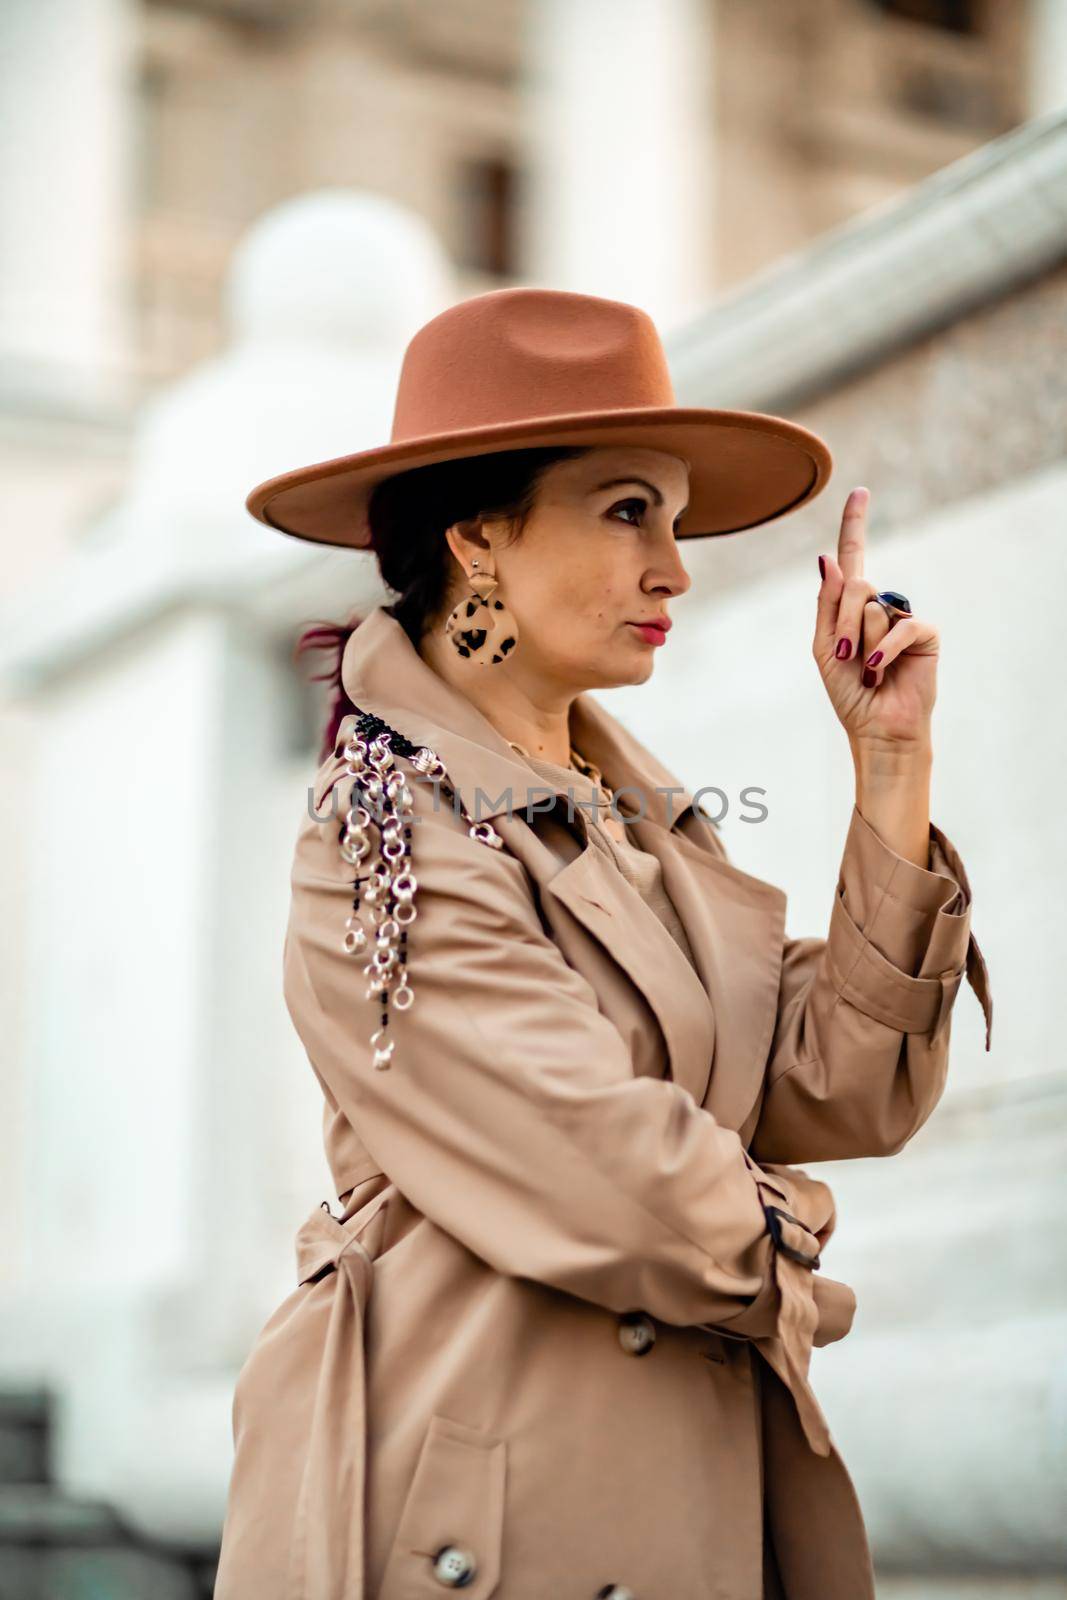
<point>482,628</point>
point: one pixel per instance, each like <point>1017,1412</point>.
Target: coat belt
<point>789,1351</point>
<point>328,1548</point>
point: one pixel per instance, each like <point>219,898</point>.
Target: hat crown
<point>516,353</point>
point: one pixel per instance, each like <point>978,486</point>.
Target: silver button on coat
<point>454,1566</point>
<point>637,1333</point>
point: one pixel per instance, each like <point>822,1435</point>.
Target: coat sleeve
<point>860,1050</point>
<point>510,1115</point>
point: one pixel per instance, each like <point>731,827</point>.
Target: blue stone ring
<point>893,604</point>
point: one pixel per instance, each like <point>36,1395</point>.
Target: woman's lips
<point>651,634</point>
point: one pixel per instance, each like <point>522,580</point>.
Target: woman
<point>557,1342</point>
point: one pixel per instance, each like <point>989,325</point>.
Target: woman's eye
<point>628,504</point>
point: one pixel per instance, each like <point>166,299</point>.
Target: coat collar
<point>382,671</point>
<point>734,922</point>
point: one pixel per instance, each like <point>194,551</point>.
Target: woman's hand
<point>887,708</point>
<point>884,709</point>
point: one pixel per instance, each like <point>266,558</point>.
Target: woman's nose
<point>676,579</point>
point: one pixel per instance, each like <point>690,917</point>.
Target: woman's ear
<point>477,538</point>
<point>465,541</point>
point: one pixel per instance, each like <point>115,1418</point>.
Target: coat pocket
<point>451,1527</point>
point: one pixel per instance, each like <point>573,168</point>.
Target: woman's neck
<point>534,715</point>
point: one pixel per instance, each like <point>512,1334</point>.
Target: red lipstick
<point>654,631</point>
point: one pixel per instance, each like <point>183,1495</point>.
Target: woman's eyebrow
<point>610,483</point>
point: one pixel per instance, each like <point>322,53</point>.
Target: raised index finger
<point>852,540</point>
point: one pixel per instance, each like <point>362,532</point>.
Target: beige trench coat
<point>577,1136</point>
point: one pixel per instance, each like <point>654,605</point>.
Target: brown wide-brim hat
<point>523,367</point>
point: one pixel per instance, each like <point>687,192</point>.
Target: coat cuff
<point>800,1217</point>
<point>900,940</point>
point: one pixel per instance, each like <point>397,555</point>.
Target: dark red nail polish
<point>822,568</point>
<point>869,678</point>
<point>873,660</point>
<point>844,650</point>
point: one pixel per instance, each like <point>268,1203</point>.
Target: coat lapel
<point>609,909</point>
<point>735,924</point>
<point>717,1021</point>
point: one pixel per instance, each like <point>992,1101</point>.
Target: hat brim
<point>745,468</point>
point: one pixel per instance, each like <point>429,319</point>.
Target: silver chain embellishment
<point>380,797</point>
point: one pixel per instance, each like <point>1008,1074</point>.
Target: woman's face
<point>596,556</point>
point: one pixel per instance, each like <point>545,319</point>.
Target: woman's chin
<point>616,668</point>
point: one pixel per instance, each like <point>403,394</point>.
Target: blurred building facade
<point>663,152</point>
<point>224,221</point>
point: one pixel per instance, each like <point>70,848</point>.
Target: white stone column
<point>66,153</point>
<point>617,104</point>
<point>169,1141</point>
<point>1047,57</point>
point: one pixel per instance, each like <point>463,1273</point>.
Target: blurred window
<point>955,16</point>
<point>486,232</point>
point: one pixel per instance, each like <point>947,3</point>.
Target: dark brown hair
<point>408,516</point>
